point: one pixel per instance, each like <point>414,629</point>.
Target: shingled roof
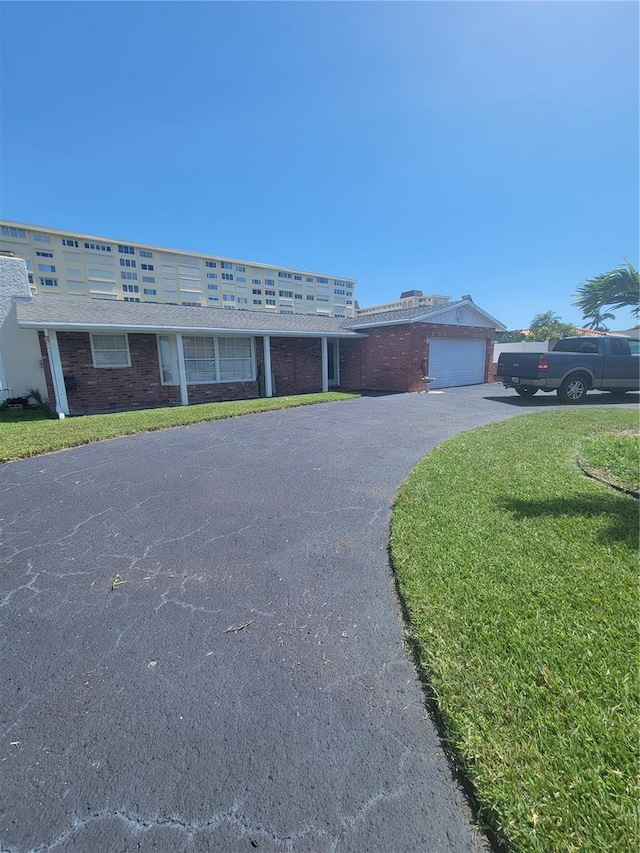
<point>78,312</point>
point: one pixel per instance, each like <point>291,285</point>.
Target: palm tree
<point>619,288</point>
<point>548,326</point>
<point>597,320</point>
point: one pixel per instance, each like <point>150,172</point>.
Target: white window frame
<point>216,350</point>
<point>109,334</point>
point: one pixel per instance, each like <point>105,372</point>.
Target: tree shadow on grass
<point>619,512</point>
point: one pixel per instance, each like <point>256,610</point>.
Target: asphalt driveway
<point>202,645</point>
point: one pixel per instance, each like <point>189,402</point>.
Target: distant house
<point>97,355</point>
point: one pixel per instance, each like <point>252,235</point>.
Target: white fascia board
<point>425,318</point>
<point>163,330</point>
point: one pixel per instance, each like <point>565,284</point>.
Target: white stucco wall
<point>20,359</point>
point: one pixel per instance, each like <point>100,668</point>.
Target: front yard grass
<point>614,458</point>
<point>29,433</point>
<point>519,576</point>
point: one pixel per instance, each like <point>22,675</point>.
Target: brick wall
<point>390,358</point>
<point>297,365</point>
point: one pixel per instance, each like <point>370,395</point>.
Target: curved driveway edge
<point>202,644</point>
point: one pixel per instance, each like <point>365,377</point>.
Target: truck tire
<point>574,388</point>
<point>526,390</point>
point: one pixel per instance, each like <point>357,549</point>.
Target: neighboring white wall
<point>20,358</point>
<point>520,346</point>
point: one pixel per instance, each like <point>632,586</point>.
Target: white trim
<point>424,318</point>
<point>57,376</point>
<point>325,366</point>
<point>111,366</point>
<point>182,372</point>
<point>268,385</point>
<point>113,328</point>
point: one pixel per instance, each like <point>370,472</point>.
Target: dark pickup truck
<point>573,367</point>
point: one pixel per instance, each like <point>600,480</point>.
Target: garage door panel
<point>456,361</point>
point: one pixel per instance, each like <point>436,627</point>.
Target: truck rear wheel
<point>573,389</point>
<point>526,390</point>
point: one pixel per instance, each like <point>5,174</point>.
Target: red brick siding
<point>297,365</point>
<point>390,358</point>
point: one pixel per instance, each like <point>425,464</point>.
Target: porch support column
<point>325,365</point>
<point>55,363</point>
<point>182,372</point>
<point>268,385</point>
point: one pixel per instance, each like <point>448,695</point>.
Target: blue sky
<point>455,147</point>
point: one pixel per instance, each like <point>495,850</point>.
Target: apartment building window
<point>349,301</point>
<point>322,280</point>
<point>257,301</point>
<point>7,231</point>
<point>255,281</point>
<point>150,279</point>
<point>44,254</point>
<point>229,307</point>
<point>67,241</point>
<point>297,278</point>
<point>100,272</point>
<point>126,250</point>
<point>241,279</point>
<point>339,291</point>
<point>210,264</point>
<point>286,294</point>
<point>214,298</point>
<point>256,291</point>
<point>240,269</point>
<point>212,287</point>
<point>130,276</point>
<point>269,282</point>
<point>298,296</point>
<point>227,276</point>
<point>285,311</point>
<point>270,301</point>
<point>212,275</point>
<point>309,278</point>
<point>323,298</point>
<point>192,304</point>
<point>149,291</point>
<point>188,270</point>
<point>228,297</point>
<point>226,265</point>
<point>130,288</point>
<point>242,300</point>
<point>285,275</point>
<point>29,265</point>
<point>49,282</point>
<point>269,293</point>
<point>144,254</point>
<point>46,268</point>
<point>97,247</point>
<point>30,278</point>
<point>127,262</point>
<point>110,351</point>
<point>340,283</point>
<point>310,298</point>
<point>145,266</point>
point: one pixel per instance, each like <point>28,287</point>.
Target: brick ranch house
<point>101,355</point>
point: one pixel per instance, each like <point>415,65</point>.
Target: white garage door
<point>456,361</point>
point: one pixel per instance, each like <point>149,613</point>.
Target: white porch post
<point>62,405</point>
<point>182,372</point>
<point>325,366</point>
<point>268,386</point>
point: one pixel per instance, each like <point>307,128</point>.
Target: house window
<point>110,351</point>
<point>215,359</point>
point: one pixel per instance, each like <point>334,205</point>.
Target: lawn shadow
<point>620,511</point>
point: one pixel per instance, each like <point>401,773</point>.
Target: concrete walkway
<point>202,645</point>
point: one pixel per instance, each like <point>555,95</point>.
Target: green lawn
<point>519,576</point>
<point>28,433</point>
<point>614,458</point>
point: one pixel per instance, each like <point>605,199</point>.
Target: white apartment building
<point>408,299</point>
<point>100,267</point>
